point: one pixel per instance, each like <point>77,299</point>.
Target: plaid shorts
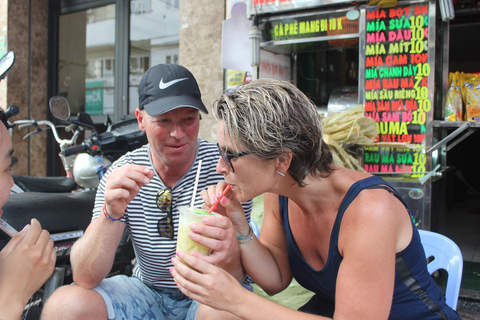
<point>129,298</point>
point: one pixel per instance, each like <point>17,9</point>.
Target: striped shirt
<point>153,252</point>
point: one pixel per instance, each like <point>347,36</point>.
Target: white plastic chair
<point>254,227</point>
<point>447,256</point>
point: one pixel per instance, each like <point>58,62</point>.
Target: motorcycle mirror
<point>108,121</point>
<point>59,107</point>
<point>6,63</point>
<point>84,119</point>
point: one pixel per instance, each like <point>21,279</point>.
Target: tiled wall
<point>200,52</point>
<point>3,34</point>
<point>27,80</point>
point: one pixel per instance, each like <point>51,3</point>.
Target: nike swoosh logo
<point>164,85</point>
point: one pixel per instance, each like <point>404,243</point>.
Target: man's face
<point>172,136</point>
<point>6,150</point>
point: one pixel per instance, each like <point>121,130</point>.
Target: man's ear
<point>140,119</point>
<point>283,161</point>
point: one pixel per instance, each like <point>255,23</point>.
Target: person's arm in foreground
<point>26,262</point>
<point>365,281</point>
<point>93,254</point>
<point>218,289</point>
<point>218,234</point>
<point>265,261</point>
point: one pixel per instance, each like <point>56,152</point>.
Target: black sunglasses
<point>227,157</point>
<point>164,203</point>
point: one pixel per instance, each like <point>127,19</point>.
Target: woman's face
<point>251,177</point>
<point>6,150</point>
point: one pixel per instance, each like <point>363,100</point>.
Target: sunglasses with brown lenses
<point>164,203</point>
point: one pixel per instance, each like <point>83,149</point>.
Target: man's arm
<point>92,255</point>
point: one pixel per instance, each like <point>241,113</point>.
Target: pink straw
<point>218,200</point>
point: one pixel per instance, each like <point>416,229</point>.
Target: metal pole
<point>255,36</point>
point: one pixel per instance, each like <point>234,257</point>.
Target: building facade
<point>94,52</point>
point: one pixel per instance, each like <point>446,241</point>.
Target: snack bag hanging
<point>471,97</point>
<point>454,103</point>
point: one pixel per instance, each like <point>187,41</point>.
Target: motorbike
<point>85,166</point>
<point>64,205</point>
<point>60,110</point>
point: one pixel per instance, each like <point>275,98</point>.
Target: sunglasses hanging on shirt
<point>164,203</point>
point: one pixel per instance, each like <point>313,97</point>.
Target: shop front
<point>392,58</point>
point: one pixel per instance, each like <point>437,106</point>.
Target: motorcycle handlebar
<point>13,110</point>
<point>25,125</point>
<point>81,148</point>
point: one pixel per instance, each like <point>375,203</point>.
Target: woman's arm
<point>368,239</point>
<point>216,288</point>
<point>266,259</point>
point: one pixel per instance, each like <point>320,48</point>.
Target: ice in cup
<point>189,215</point>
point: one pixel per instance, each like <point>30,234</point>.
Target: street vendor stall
<point>389,57</point>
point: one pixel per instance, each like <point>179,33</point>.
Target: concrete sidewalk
<point>469,304</point>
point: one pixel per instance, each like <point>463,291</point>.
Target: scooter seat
<point>45,184</point>
<point>57,212</point>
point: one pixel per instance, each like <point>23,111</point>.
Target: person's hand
<point>220,234</point>
<point>228,206</point>
<point>217,233</point>
<point>210,285</point>
<point>122,185</point>
<point>26,262</point>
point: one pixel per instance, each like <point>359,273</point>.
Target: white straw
<point>196,183</point>
<point>8,229</point>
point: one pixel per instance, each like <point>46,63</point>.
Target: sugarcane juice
<point>188,216</point>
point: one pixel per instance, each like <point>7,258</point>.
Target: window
<point>86,68</point>
<point>105,47</point>
<point>171,59</point>
<point>139,65</point>
<point>140,6</point>
<point>154,38</point>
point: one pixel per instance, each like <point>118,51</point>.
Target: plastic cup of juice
<point>189,215</point>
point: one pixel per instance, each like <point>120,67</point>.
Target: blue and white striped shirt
<point>153,251</point>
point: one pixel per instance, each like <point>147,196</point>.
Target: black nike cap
<point>166,87</point>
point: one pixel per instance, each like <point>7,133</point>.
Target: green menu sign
<point>311,26</point>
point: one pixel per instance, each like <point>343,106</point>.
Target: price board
<point>398,87</point>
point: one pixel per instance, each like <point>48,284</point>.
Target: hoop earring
<point>282,174</point>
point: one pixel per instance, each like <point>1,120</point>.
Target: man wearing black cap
<point>142,191</point>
